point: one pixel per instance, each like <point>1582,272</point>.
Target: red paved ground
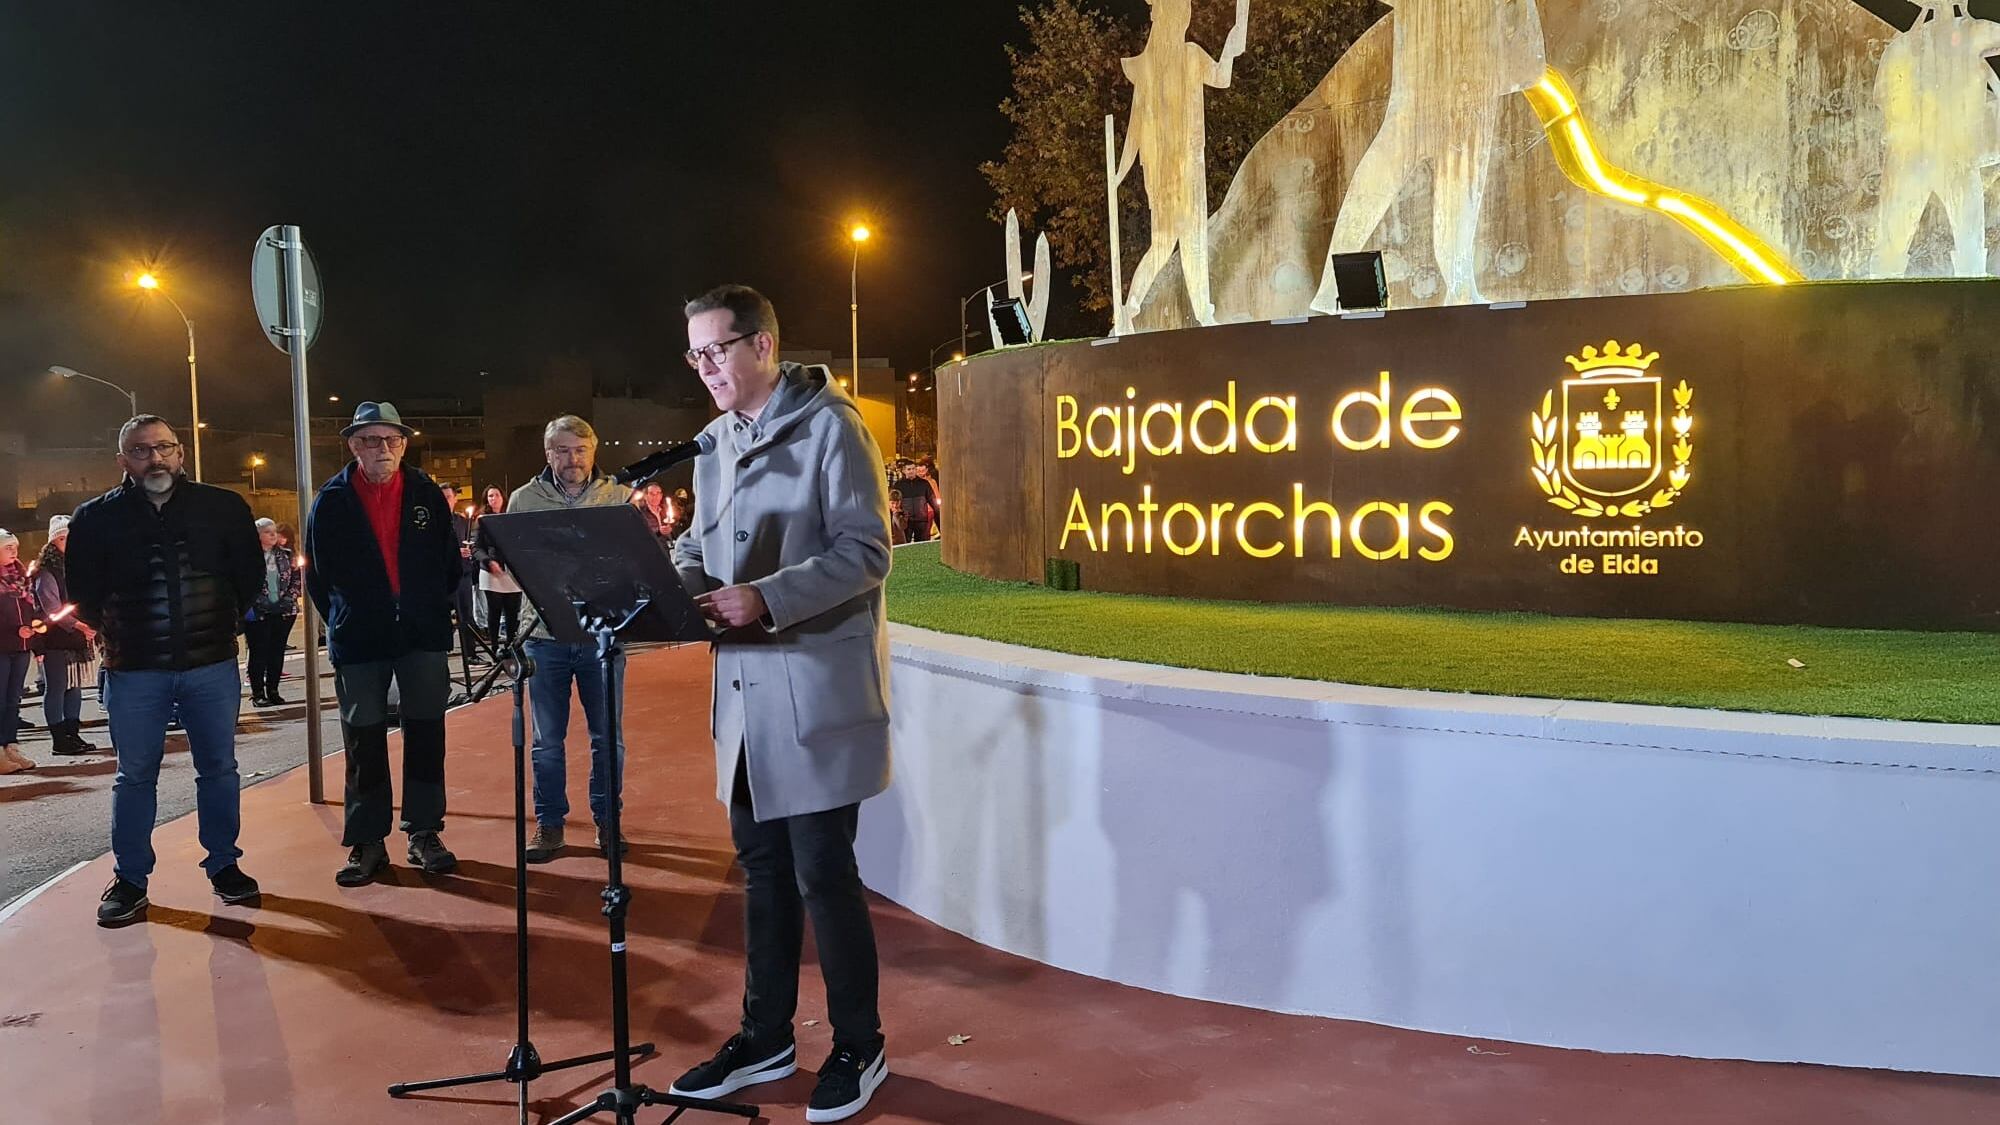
<point>303,1010</point>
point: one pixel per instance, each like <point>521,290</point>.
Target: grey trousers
<point>423,680</point>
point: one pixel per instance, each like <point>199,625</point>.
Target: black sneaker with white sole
<point>233,886</point>
<point>740,1063</point>
<point>122,902</point>
<point>847,1080</point>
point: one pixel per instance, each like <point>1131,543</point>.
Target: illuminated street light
<point>150,282</point>
<point>859,235</point>
<point>256,462</point>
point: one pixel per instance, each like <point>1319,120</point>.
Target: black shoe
<point>64,740</point>
<point>257,699</point>
<point>75,738</point>
<point>545,843</point>
<point>364,862</point>
<point>429,853</point>
<point>624,845</point>
<point>233,886</point>
<point>740,1063</point>
<point>273,699</point>
<point>847,1080</point>
<point>121,903</point>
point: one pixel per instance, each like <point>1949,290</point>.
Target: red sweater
<point>383,504</point>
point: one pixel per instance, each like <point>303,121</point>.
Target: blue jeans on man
<point>557,666</point>
<point>208,700</point>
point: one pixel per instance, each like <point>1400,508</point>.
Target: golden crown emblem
<point>1634,358</point>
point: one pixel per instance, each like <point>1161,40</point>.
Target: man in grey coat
<point>570,481</point>
<point>787,553</point>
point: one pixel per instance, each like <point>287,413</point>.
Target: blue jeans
<point>557,665</point>
<point>138,703</point>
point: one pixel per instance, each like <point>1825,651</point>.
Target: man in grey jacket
<point>570,481</point>
<point>787,553</point>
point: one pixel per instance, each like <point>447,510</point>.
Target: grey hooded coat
<point>797,505</point>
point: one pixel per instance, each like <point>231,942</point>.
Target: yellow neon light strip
<point>1569,138</point>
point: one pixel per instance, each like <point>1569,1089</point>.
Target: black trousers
<point>503,616</point>
<point>793,867</point>
<point>424,682</point>
<point>468,639</point>
<point>266,638</point>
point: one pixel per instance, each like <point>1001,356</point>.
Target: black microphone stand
<point>524,1064</point>
<point>624,1099</point>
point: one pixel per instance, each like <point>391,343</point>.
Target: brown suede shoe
<point>545,843</point>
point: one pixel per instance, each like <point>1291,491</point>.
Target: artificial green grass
<point>1935,677</point>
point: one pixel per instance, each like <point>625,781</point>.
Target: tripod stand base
<point>523,1066</point>
<point>625,1103</point>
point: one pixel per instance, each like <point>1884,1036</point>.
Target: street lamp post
<point>960,354</point>
<point>858,235</point>
<point>151,283</point>
<point>73,373</point>
<point>967,299</point>
<point>256,462</point>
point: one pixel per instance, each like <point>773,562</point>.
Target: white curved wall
<point>1619,878</point>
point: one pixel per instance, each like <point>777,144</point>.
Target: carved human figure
<point>1454,63</point>
<point>1938,131</point>
<point>1167,136</point>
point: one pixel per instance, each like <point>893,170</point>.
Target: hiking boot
<point>233,886</point>
<point>740,1063</point>
<point>429,853</point>
<point>121,902</point>
<point>546,842</point>
<point>624,845</point>
<point>364,862</point>
<point>847,1080</point>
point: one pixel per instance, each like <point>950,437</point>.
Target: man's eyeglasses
<point>713,352</point>
<point>158,449</point>
<point>382,441</point>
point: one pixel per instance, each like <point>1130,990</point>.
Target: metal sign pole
<point>295,323</point>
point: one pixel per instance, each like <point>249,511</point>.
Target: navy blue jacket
<point>349,585</point>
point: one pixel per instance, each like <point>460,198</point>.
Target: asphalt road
<point>59,814</point>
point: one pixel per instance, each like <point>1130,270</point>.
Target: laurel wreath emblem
<point>1543,425</point>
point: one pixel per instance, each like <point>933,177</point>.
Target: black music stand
<point>599,576</point>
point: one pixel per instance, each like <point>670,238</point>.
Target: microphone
<point>646,468</point>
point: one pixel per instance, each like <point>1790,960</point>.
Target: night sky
<point>486,186</point>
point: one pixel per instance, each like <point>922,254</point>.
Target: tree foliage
<point>1067,78</point>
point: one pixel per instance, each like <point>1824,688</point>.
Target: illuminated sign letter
<point>1069,439</point>
<point>1104,513</point>
<point>1077,520</point>
<point>1300,510</point>
<point>1400,549</point>
<point>1109,413</point>
<point>1146,510</point>
<point>1379,403</point>
<point>1243,539</point>
<point>1167,529</point>
<point>1442,551</point>
<point>1228,411</point>
<point>1169,410</point>
<point>1414,411</point>
<point>1215,514</point>
<point>1289,406</point>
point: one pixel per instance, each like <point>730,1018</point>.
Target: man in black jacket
<point>162,568</point>
<point>382,565</point>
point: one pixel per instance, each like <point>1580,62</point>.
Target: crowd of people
<point>145,590</point>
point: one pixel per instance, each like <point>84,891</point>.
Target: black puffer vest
<point>165,586</point>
